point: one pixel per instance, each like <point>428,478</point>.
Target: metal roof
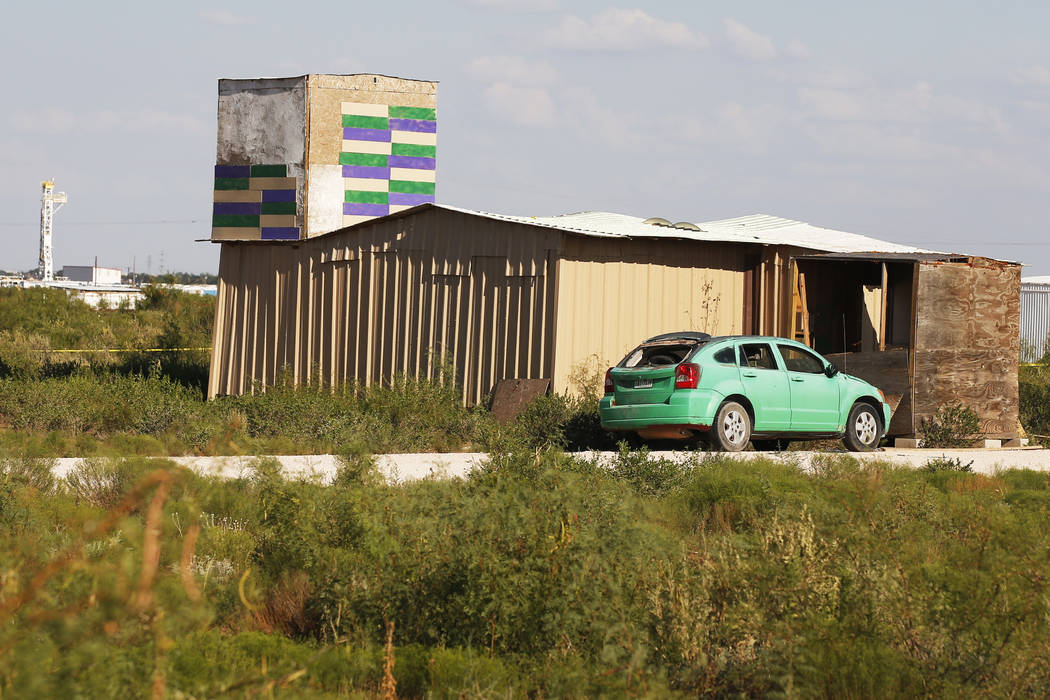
<point>888,257</point>
<point>759,228</point>
<point>1036,280</point>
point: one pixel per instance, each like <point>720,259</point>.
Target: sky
<point>919,123</point>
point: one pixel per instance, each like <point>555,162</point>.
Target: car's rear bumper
<point>694,408</point>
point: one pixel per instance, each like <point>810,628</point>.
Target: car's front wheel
<point>732,428</point>
<point>862,428</point>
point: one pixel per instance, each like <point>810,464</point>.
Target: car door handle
<point>797,379</point>
<point>749,374</point>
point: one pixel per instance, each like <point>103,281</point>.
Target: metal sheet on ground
<point>512,395</point>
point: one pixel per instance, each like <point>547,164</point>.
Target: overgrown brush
<point>539,575</point>
<point>107,413</point>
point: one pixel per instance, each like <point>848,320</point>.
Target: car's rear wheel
<point>862,428</point>
<point>732,428</point>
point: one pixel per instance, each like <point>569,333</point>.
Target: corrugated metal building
<point>1035,317</point>
<point>533,297</point>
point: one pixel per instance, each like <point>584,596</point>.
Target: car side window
<point>726,356</point>
<point>757,355</point>
<point>798,360</point>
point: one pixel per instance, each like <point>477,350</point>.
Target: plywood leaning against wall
<point>888,371</point>
<point>414,295</point>
<point>967,342</point>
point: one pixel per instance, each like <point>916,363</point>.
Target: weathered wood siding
<point>402,295</point>
<point>966,341</point>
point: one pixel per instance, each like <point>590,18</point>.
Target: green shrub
<point>647,475</point>
<point>952,426</point>
<point>103,482</point>
<point>947,464</point>
<point>22,354</point>
<point>544,419</point>
<point>1034,407</point>
<point>103,405</point>
<point>33,472</point>
<point>563,421</point>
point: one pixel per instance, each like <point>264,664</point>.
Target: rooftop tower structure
<point>299,157</point>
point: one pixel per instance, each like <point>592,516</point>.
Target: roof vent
<point>657,221</point>
<point>687,226</point>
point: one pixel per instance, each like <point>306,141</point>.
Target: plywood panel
<point>327,93</point>
<point>983,380</point>
<point>967,341</point>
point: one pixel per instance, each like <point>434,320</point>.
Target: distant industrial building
<point>92,274</point>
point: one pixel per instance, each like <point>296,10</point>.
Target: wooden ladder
<point>801,324</point>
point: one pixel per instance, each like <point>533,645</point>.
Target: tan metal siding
<point>612,294</point>
<point>395,297</point>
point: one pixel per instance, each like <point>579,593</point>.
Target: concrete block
<point>992,444</point>
<point>909,443</point>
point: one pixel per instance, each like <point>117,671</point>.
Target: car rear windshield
<point>660,353</point>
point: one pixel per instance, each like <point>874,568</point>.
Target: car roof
<point>767,338</point>
<point>683,335</point>
<point>697,335</point>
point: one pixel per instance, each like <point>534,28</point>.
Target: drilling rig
<point>48,201</point>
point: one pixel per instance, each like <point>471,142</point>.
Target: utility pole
<point>48,199</point>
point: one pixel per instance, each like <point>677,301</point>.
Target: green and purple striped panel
<point>255,202</point>
<point>389,157</point>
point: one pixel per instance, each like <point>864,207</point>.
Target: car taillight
<point>686,376</point>
<point>609,386</point>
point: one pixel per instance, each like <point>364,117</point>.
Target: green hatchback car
<point>736,389</point>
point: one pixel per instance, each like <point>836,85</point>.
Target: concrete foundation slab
<point>401,468</point>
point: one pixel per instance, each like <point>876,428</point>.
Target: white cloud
<point>1036,75</point>
<point>60,121</point>
<point>796,49</point>
<point>834,104</point>
<point>918,104</point>
<point>742,128</point>
<point>517,5</point>
<point>597,123</point>
<point>747,42</point>
<point>513,69</point>
<point>225,17</point>
<point>616,29</point>
<point>830,76</point>
<point>524,106</point>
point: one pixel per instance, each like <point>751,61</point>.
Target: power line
<point>109,223</point>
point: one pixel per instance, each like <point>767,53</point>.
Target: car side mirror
<point>830,370</point>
